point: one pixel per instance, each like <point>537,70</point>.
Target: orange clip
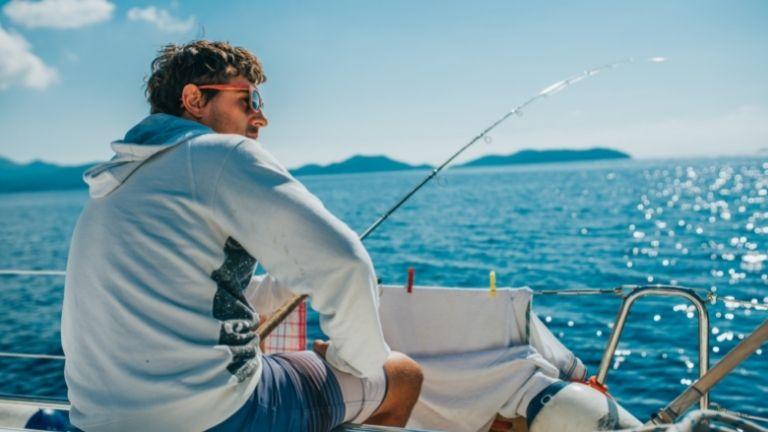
<point>592,382</point>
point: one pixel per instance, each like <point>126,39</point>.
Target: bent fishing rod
<point>281,313</point>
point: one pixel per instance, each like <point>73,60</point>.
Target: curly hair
<point>197,62</point>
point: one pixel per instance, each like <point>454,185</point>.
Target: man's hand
<point>262,319</point>
<point>320,347</point>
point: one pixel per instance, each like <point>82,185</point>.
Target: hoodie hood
<point>154,134</point>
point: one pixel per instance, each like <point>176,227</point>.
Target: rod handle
<point>289,306</point>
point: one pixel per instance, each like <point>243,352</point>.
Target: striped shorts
<point>299,391</point>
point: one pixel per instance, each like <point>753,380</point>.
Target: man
<point>156,325</point>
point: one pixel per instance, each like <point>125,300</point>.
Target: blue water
<point>698,223</point>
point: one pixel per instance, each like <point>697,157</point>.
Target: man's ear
<point>193,101</point>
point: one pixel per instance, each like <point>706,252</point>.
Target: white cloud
<point>71,56</point>
<point>161,19</point>
<point>18,66</point>
<point>58,14</point>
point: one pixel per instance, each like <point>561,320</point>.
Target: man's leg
<point>401,383</point>
<point>297,392</point>
<point>404,380</point>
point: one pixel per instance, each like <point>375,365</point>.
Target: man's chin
<point>252,134</point>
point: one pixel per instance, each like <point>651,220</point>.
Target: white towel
<point>481,354</point>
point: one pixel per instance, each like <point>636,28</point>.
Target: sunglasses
<point>257,102</point>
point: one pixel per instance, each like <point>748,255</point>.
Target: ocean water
<point>695,223</point>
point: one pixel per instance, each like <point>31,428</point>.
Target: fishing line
<point>516,111</point>
<point>548,91</point>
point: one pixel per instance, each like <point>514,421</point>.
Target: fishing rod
<point>518,110</point>
<point>703,385</point>
<point>281,313</point>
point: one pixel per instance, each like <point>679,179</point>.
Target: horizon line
<point>755,153</point>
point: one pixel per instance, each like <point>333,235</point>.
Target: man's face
<point>230,112</point>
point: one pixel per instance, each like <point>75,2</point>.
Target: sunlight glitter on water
<point>704,224</point>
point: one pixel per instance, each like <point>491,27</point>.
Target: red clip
<point>409,286</point>
<point>602,388</point>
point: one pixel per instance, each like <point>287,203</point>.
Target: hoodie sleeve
<point>306,249</point>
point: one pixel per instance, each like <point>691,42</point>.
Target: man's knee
<point>404,378</point>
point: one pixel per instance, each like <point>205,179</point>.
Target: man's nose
<point>259,119</point>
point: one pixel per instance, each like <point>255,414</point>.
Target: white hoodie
<point>156,327</point>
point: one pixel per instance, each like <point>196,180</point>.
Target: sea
<point>699,223</point>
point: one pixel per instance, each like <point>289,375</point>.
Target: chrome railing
<point>636,292</point>
<point>629,294</point>
<point>38,401</point>
<point>35,356</point>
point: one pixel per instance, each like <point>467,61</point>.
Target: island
<point>546,156</point>
<point>357,164</point>
<point>40,176</point>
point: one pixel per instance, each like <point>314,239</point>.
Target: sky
<point>413,80</point>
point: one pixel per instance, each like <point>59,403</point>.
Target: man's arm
<point>306,249</point>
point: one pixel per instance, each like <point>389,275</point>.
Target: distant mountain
<point>546,156</point>
<point>357,164</point>
<point>37,176</point>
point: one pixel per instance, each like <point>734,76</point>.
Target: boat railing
<point>38,401</point>
<point>18,272</point>
<point>629,294</point>
<point>637,292</point>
